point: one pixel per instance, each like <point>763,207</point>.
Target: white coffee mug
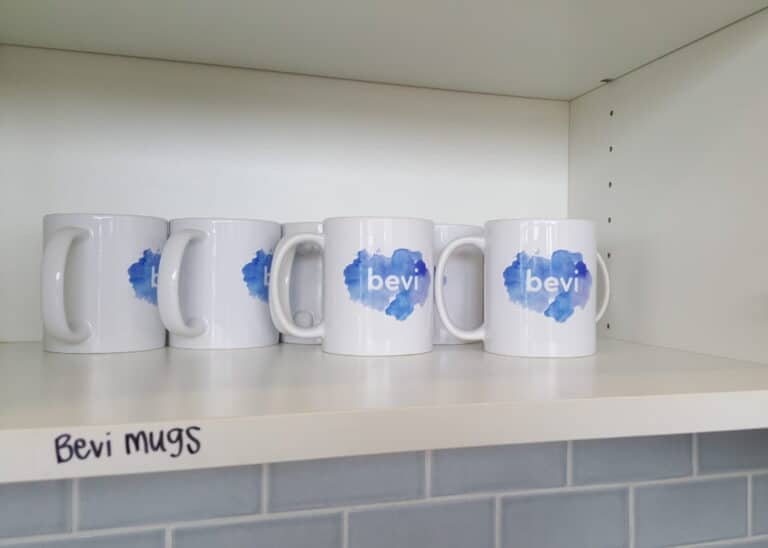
<point>302,286</point>
<point>377,286</point>
<point>99,282</point>
<point>462,283</point>
<point>214,280</point>
<point>539,288</point>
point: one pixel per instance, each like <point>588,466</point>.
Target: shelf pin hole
<point>610,184</point>
<point>610,219</point>
<point>610,148</point>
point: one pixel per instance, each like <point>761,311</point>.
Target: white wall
<point>93,133</point>
<point>689,202</point>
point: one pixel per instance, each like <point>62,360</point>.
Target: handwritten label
<point>173,442</point>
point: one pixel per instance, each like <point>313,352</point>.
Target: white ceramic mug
<point>99,282</point>
<point>377,286</point>
<point>214,280</point>
<point>462,283</point>
<point>539,288</point>
<point>302,285</point>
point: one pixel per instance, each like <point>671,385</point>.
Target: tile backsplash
<point>682,490</point>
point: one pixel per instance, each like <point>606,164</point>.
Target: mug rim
<point>459,225</point>
<point>318,223</point>
<point>299,227</point>
<point>538,220</point>
<point>105,216</point>
<point>224,220</point>
<point>377,218</point>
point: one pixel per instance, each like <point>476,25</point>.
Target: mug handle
<point>168,301</point>
<point>477,334</point>
<point>52,286</point>
<point>606,288</point>
<point>284,283</point>
<point>279,298</point>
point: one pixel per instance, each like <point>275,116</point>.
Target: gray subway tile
<point>498,468</point>
<point>739,450</point>
<point>631,459</point>
<point>35,508</point>
<point>689,512</point>
<point>760,504</point>
<point>466,524</point>
<point>305,532</point>
<point>118,501</point>
<point>149,539</point>
<point>347,480</point>
<point>576,519</point>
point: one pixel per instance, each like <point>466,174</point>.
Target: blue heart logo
<point>553,287</point>
<point>256,275</point>
<point>394,285</point>
<point>143,276</point>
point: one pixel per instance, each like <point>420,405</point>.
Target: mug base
<point>62,350</point>
<point>376,354</point>
<point>288,339</point>
<point>221,347</point>
<point>543,356</point>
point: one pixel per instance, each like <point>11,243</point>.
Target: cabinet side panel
<point>681,170</point>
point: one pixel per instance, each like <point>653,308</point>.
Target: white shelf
<point>555,49</point>
<point>294,402</point>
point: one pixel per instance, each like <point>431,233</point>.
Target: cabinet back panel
<point>95,133</point>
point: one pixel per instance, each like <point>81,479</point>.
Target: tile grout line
<point>615,485</point>
<point>749,505</point>
<point>569,463</point>
<point>428,474</point>
<point>743,541</point>
<point>345,529</point>
<point>695,454</point>
<point>631,516</point>
<point>497,522</point>
<point>84,534</point>
<point>75,506</point>
<point>264,488</point>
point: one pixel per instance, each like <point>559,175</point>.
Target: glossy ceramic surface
<point>99,282</point>
<point>540,288</point>
<point>462,283</point>
<point>214,283</point>
<point>377,286</point>
<point>303,285</point>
